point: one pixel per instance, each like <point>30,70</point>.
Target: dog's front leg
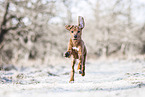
<point>69,51</point>
<point>72,71</point>
<point>68,54</point>
<point>81,65</point>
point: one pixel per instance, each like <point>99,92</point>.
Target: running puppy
<point>76,47</point>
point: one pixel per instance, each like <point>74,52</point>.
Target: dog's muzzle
<point>75,36</point>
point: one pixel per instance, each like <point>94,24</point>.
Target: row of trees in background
<point>27,33</point>
<point>117,31</point>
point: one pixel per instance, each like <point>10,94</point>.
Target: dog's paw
<point>80,72</point>
<point>83,73</point>
<point>71,81</point>
<point>67,54</point>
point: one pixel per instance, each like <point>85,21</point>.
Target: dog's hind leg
<point>79,66</point>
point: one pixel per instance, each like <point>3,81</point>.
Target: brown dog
<point>76,47</point>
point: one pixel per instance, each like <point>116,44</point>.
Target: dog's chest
<point>75,48</point>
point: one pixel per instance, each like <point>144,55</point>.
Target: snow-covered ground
<point>124,78</point>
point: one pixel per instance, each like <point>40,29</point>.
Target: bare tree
<point>7,18</point>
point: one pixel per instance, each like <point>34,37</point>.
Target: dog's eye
<point>71,31</point>
<point>78,31</point>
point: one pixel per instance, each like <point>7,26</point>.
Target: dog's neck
<point>75,43</point>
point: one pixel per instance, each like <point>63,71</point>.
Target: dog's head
<point>76,30</point>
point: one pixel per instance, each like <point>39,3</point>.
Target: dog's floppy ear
<point>68,27</point>
<point>81,22</point>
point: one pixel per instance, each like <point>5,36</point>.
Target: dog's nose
<point>75,36</point>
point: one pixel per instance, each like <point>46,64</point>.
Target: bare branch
<point>5,15</point>
<point>16,26</point>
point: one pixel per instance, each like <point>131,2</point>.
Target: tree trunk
<point>3,30</point>
<point>2,34</point>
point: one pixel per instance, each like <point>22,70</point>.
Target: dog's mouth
<point>75,39</point>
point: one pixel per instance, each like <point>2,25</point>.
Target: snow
<point>124,78</point>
